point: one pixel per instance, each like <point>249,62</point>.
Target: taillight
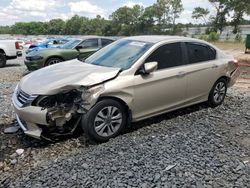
<point>234,62</point>
<point>17,45</point>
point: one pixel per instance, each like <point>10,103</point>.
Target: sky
<point>12,11</point>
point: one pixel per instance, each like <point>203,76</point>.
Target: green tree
<point>161,13</point>
<point>74,24</point>
<point>219,20</point>
<point>147,20</point>
<point>239,7</point>
<point>126,20</point>
<point>5,29</point>
<point>200,13</point>
<point>176,8</point>
<point>55,27</point>
<point>96,26</point>
<point>30,28</point>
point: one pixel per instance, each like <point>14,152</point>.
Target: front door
<point>163,89</point>
<point>88,47</point>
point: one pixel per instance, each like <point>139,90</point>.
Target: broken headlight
<point>66,99</point>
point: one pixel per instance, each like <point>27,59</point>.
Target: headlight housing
<point>65,99</point>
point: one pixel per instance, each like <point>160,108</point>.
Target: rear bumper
<point>233,77</point>
<point>18,54</point>
<point>11,57</point>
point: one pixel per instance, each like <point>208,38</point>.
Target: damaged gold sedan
<point>132,79</point>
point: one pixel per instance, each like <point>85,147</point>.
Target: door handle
<point>215,66</point>
<point>181,74</point>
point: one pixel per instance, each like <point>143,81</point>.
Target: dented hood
<point>65,76</point>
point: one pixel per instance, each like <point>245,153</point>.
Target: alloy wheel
<point>219,92</point>
<point>108,121</point>
<point>54,61</point>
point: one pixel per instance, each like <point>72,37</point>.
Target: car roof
<point>160,38</point>
<point>93,36</point>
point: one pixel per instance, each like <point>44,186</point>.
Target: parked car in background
<point>129,80</point>
<point>9,49</point>
<point>81,48</point>
<point>50,43</point>
<point>27,43</point>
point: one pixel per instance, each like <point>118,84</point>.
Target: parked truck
<point>9,49</point>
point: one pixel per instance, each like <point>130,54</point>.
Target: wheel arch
<point>224,77</point>
<point>53,56</point>
<point>121,101</point>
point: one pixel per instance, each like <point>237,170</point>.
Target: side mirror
<point>78,48</point>
<point>147,68</point>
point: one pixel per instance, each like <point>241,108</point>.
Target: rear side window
<point>106,42</point>
<point>169,55</point>
<point>200,53</point>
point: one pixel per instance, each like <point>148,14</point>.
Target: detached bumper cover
<point>29,118</point>
<point>29,129</point>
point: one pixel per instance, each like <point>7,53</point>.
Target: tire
<point>97,124</point>
<point>2,60</point>
<point>218,93</point>
<point>52,61</point>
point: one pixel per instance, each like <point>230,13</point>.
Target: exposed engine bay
<point>64,112</point>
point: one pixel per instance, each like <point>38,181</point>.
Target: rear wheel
<point>53,61</point>
<point>105,120</point>
<point>2,60</point>
<point>218,93</point>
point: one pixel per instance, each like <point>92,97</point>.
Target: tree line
<point>159,18</point>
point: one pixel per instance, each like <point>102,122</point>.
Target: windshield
<point>121,54</point>
<point>71,44</point>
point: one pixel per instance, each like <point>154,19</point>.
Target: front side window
<point>71,44</point>
<point>89,43</point>
<point>169,55</point>
<point>120,54</point>
<point>200,52</point>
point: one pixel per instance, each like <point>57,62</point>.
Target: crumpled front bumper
<point>29,118</point>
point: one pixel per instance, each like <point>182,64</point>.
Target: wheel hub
<point>108,121</point>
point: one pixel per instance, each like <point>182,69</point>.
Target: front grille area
<point>23,97</point>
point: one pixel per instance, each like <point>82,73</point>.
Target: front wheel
<point>218,93</point>
<point>53,61</point>
<point>105,120</point>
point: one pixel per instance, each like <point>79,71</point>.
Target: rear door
<point>202,70</point>
<point>166,87</point>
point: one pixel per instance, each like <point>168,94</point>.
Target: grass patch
<point>230,46</point>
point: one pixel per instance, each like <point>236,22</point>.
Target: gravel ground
<point>192,147</point>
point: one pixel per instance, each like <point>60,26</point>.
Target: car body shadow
<point>167,116</point>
